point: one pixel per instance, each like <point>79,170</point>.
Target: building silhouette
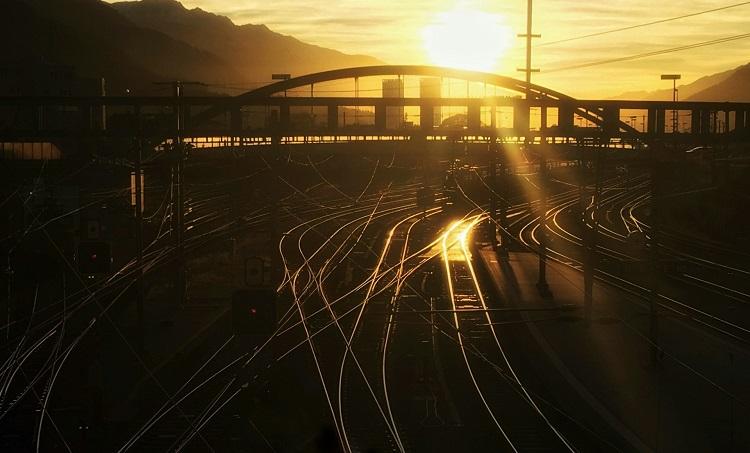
<point>394,116</point>
<point>432,87</point>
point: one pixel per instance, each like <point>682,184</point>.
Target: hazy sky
<point>394,31</point>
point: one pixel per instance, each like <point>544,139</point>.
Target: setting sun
<point>467,39</point>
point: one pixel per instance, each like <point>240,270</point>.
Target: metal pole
<point>731,402</point>
<point>587,263</point>
<point>542,282</point>
<point>592,237</point>
<point>543,177</point>
<point>656,185</point>
<point>356,108</point>
<point>179,197</point>
<point>492,176</point>
<point>529,16</point>
<point>139,245</point>
<point>9,289</point>
<point>675,115</point>
<point>503,214</point>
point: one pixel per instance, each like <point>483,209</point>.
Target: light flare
<point>467,39</point>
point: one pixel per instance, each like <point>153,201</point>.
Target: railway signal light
<point>254,311</point>
<point>94,258</point>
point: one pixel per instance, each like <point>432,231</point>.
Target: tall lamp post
<point>675,115</point>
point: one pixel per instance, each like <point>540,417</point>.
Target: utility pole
<point>543,183</point>
<point>591,237</point>
<point>178,183</point>
<point>356,108</point>
<point>9,289</point>
<point>582,211</point>
<point>503,214</point>
<point>541,284</point>
<point>138,186</point>
<point>657,184</point>
<point>492,176</point>
<point>178,204</point>
<point>529,36</point>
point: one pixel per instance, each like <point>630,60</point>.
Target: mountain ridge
<point>237,44</point>
<point>98,41</point>
<point>712,87</point>
<point>731,89</point>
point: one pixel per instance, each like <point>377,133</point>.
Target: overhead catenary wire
<point>652,53</point>
<point>646,24</point>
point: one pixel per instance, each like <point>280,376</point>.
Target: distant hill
<point>135,44</point>
<point>735,88</point>
<point>253,50</point>
<point>97,41</point>
<point>685,91</point>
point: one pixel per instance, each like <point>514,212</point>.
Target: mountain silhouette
<point>135,44</point>
<point>732,88</point>
<point>97,41</point>
<point>684,91</point>
<point>253,50</point>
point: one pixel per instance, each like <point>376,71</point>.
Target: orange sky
<point>395,31</point>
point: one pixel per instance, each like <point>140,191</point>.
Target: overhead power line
<point>653,53</point>
<point>631,27</point>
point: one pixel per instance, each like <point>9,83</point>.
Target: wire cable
<point>652,53</point>
<point>647,24</point>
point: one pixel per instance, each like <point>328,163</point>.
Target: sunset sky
<point>420,31</point>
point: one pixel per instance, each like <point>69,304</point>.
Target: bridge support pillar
<point>521,120</point>
<point>740,122</point>
<point>381,118</point>
<point>705,122</point>
<point>656,121</point>
<point>565,116</point>
<point>611,118</point>
<point>474,117</point>
<point>660,122</point>
<point>426,118</point>
<point>695,122</point>
<point>284,117</point>
<point>333,118</point>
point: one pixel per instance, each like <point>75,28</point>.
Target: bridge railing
<point>37,119</point>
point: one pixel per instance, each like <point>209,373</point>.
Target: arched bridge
<point>376,103</point>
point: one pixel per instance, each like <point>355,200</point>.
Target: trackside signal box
<point>254,311</point>
<point>425,198</point>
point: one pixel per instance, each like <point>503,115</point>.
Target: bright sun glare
<point>467,39</point>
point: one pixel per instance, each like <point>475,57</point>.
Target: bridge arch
<point>537,91</point>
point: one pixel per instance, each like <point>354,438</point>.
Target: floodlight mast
<point>674,78</point>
